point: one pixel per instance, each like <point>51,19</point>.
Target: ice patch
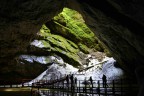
<point>61,69</point>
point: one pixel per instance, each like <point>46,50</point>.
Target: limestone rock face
<point>20,20</point>
<point>70,24</point>
<point>119,24</point>
<point>68,36</point>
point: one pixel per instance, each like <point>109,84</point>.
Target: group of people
<point>104,79</point>
<point>74,80</point>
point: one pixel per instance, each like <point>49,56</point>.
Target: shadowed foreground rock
<point>19,23</point>
<point>119,24</point>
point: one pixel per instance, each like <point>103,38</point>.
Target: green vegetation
<point>83,48</point>
<point>67,34</point>
<point>60,45</point>
<point>70,25</point>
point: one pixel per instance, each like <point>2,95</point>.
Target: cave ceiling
<point>119,24</point>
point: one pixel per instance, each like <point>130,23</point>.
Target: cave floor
<point>21,91</point>
<point>15,91</point>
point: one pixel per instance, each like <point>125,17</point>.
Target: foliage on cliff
<point>67,34</point>
<point>59,45</point>
<point>70,24</point>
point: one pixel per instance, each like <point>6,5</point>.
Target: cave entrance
<point>67,47</point>
<point>66,43</point>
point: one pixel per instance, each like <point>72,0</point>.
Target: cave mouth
<point>65,39</point>
<point>67,43</point>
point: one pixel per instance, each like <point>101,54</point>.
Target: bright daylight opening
<point>71,48</point>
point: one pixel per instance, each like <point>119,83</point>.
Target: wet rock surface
<point>19,23</point>
<point>117,23</point>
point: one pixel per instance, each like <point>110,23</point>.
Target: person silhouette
<point>75,80</point>
<point>72,81</point>
<point>67,79</point>
<point>104,78</point>
<point>98,88</point>
<point>91,80</point>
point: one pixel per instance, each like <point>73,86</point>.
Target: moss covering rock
<point>67,35</point>
<point>70,24</point>
<point>59,45</point>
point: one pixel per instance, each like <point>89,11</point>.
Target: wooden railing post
<point>98,88</point>
<point>22,83</point>
<point>79,86</point>
<point>85,87</point>
<point>63,85</point>
<point>75,85</point>
<point>113,88</point>
<point>121,87</point>
<point>105,91</point>
<point>92,88</point>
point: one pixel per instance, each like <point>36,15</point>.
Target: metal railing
<point>121,87</point>
<point>110,88</point>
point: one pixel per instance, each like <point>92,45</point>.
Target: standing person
<point>75,81</point>
<point>67,79</point>
<point>91,80</point>
<point>72,81</point>
<point>98,88</point>
<point>104,78</point>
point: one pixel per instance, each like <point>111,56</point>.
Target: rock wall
<point>119,25</point>
<point>19,23</point>
<point>68,36</point>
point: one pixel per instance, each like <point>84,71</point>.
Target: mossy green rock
<point>61,46</point>
<point>67,34</point>
<point>70,24</point>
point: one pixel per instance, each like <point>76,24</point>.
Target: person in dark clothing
<point>104,81</point>
<point>75,80</point>
<point>72,81</point>
<point>91,80</point>
<point>67,80</point>
<point>98,88</point>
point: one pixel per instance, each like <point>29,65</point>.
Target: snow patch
<point>60,69</point>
